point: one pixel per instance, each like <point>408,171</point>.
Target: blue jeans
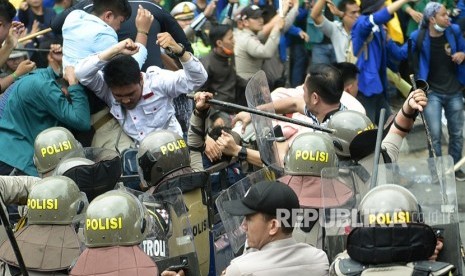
<point>373,106</point>
<point>323,53</point>
<point>299,63</point>
<point>453,109</point>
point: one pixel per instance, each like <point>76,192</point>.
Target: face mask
<point>227,51</point>
<point>438,28</point>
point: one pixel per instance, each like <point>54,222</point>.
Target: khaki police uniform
<point>15,190</point>
<point>107,132</point>
<point>281,257</point>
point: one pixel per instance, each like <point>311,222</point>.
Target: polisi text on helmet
<point>104,223</point>
<point>389,218</point>
<point>173,146</point>
<point>42,204</point>
<point>310,155</point>
<point>56,148</point>
<point>369,127</point>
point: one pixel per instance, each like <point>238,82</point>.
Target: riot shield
<point>258,94</point>
<point>171,242</point>
<point>95,170</point>
<point>431,181</point>
<point>232,224</point>
<point>342,188</point>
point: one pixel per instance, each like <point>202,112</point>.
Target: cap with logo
<point>183,11</point>
<point>251,11</point>
<point>264,197</point>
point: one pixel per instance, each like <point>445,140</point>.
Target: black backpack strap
<point>414,54</point>
<point>387,159</point>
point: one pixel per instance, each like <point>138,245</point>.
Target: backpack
<point>350,57</point>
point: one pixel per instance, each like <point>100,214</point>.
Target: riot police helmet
<point>51,145</point>
<point>389,204</point>
<point>309,153</point>
<point>160,153</point>
<point>347,125</point>
<point>116,218</point>
<point>55,200</point>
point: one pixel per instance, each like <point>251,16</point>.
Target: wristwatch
<point>172,54</point>
<point>242,155</point>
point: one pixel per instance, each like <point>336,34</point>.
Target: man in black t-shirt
<point>440,63</point>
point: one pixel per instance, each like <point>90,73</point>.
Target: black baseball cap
<point>264,197</point>
<point>251,11</point>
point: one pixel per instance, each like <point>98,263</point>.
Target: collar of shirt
<point>315,120</point>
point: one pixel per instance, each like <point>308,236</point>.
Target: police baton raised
<point>11,237</point>
<point>428,135</point>
<point>379,138</point>
<point>265,114</point>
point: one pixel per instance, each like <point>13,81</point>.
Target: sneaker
<point>460,176</point>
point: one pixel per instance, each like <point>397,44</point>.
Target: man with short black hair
<point>85,33</point>
<point>349,74</point>
<point>141,102</point>
<point>222,82</point>
<point>275,250</point>
<point>338,32</point>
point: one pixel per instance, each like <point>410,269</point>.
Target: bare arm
<point>317,12</point>
<point>405,118</point>
<point>229,147</point>
<point>395,6</point>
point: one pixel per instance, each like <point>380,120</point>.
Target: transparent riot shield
<point>341,192</point>
<point>232,224</point>
<point>258,94</point>
<point>171,242</point>
<point>95,170</point>
<point>431,181</point>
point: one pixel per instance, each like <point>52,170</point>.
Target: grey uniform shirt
<point>338,35</point>
<point>281,257</point>
<point>250,53</point>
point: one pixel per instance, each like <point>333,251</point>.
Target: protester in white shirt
<point>141,102</point>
